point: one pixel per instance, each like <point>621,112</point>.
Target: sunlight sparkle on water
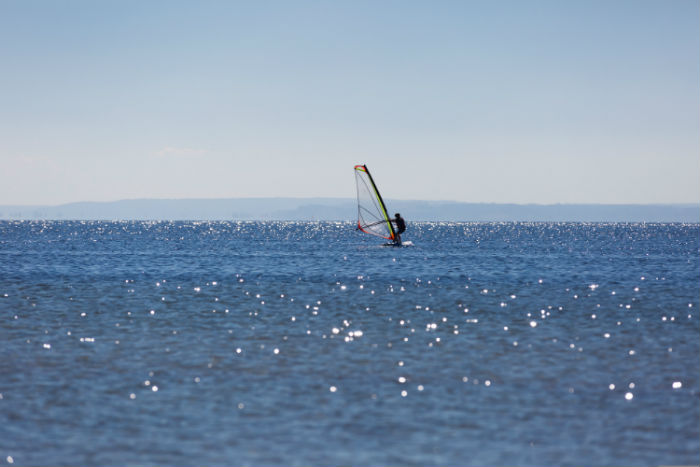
<point>428,343</point>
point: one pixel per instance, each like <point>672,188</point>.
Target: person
<point>400,227</point>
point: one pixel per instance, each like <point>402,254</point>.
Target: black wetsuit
<point>400,225</point>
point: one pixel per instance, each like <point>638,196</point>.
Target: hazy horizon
<point>343,198</point>
<point>333,209</point>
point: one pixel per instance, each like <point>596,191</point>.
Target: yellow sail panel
<point>372,217</point>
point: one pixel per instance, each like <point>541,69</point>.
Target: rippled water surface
<point>183,343</point>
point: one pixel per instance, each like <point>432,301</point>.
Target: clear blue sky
<point>505,101</point>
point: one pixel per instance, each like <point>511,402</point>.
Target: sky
<point>505,102</point>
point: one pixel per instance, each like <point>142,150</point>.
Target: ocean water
<point>304,343</point>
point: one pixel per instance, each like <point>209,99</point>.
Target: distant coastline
<point>345,209</point>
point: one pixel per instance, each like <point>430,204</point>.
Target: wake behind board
<point>403,244</point>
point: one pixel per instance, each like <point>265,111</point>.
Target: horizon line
<point>336,198</point>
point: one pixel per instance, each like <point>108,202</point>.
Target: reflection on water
<point>302,343</point>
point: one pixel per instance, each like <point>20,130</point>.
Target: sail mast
<point>381,202</point>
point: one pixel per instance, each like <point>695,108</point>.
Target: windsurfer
<point>400,227</point>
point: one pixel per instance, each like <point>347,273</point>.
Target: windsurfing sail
<point>372,217</point>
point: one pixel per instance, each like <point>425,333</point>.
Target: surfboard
<point>407,243</point>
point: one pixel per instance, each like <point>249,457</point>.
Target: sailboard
<point>372,217</point>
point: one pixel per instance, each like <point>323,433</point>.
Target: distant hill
<point>345,209</point>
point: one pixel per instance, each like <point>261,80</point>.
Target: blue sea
<point>310,344</point>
